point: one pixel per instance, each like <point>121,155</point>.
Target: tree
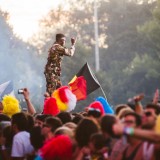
<point>20,63</point>
<point>124,44</point>
<point>127,47</point>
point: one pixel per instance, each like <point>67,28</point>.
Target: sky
<point>25,14</point>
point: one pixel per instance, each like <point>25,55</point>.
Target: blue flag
<point>6,89</point>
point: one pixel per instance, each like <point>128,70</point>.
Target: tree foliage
<point>120,28</point>
<point>129,36</point>
<point>18,62</point>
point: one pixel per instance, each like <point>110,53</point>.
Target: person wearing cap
<point>53,67</point>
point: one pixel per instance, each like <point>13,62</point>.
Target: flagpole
<point>103,92</point>
<point>97,65</point>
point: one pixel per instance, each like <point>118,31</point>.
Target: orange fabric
<point>79,88</point>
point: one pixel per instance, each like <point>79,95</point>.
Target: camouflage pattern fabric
<point>53,67</point>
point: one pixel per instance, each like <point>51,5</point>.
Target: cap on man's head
<point>59,36</point>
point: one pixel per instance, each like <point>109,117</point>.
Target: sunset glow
<point>25,14</point>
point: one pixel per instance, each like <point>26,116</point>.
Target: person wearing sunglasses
<point>151,139</point>
<point>133,148</point>
<point>149,117</point>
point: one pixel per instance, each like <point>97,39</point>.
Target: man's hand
<point>46,95</point>
<point>26,93</point>
<point>73,40</point>
<point>156,96</point>
<point>139,97</point>
<point>30,106</point>
<point>136,98</point>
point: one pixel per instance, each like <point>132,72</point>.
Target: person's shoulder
<point>22,134</point>
<point>54,46</point>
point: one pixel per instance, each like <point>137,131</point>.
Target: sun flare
<point>25,14</point>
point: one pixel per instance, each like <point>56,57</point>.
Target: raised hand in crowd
<point>137,100</point>
<point>30,106</point>
<point>156,96</point>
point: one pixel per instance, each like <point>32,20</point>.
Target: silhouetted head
<point>60,39</point>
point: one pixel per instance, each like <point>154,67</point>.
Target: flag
<point>6,89</point>
<point>84,83</point>
<point>78,87</point>
<point>156,96</point>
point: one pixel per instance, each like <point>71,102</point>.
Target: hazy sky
<point>24,14</point>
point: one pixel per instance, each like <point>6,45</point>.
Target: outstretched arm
<point>151,136</point>
<point>30,106</point>
<point>138,104</point>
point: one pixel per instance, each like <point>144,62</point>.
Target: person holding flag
<point>53,67</point>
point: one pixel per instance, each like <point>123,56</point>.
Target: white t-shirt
<point>21,144</point>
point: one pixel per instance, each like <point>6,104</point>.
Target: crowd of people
<point>131,133</point>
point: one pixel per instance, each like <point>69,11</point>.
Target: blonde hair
<point>124,111</point>
<point>64,131</point>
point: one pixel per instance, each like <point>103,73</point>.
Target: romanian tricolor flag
<point>84,83</point>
